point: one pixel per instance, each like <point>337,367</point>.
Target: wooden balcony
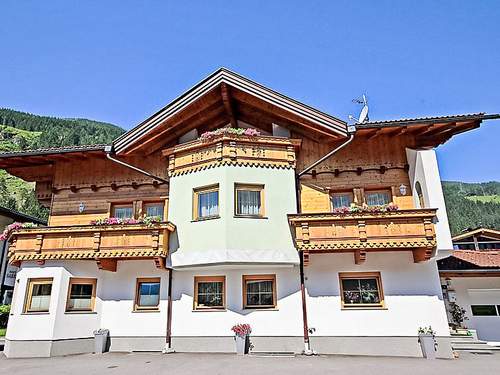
<point>105,244</point>
<point>360,233</point>
<point>262,151</point>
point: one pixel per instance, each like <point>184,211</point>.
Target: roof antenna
<point>363,116</point>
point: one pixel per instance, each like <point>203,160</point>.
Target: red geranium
<point>242,330</point>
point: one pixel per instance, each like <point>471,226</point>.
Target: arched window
<point>418,189</point>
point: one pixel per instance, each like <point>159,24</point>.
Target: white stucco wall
<point>231,239</point>
<point>285,320</point>
<point>479,291</point>
<point>413,296</point>
<point>424,169</point>
<point>114,302</point>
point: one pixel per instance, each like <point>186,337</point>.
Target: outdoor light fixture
<point>81,207</point>
<point>402,189</point>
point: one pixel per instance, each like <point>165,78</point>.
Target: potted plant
<point>241,332</point>
<point>458,317</point>
<point>427,340</point>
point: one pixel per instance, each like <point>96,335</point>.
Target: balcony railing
<point>103,243</point>
<point>261,151</point>
<point>409,230</point>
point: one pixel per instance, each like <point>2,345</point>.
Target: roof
<point>19,216</point>
<point>52,150</point>
<point>428,120</point>
<point>480,258</point>
<point>487,232</point>
<point>223,78</point>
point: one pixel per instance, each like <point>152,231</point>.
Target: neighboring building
<point>477,239</point>
<point>470,278</point>
<point>8,271</point>
<point>253,230</point>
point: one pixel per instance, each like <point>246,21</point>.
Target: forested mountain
<point>471,205</point>
<point>24,131</point>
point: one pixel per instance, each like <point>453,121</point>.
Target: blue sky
<point>119,61</point>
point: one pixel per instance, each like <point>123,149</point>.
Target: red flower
<point>242,330</point>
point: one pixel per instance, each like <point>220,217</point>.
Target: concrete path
<point>155,363</point>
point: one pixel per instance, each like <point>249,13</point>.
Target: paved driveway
<point>155,363</point>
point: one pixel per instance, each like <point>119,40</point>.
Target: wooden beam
<point>226,99</point>
<point>160,262</point>
<point>398,131</point>
<point>106,264</point>
<point>421,255</point>
<point>375,134</point>
<point>359,256</point>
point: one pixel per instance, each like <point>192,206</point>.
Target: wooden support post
<point>96,243</point>
<point>305,232</point>
<point>38,243</point>
<point>106,264</point>
<point>362,230</point>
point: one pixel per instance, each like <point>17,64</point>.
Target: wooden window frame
<point>251,187</point>
<point>346,192</point>
<point>268,277</point>
<point>198,279</point>
<point>362,275</point>
<point>153,203</point>
<point>383,190</point>
<point>119,205</point>
<point>29,294</point>
<point>196,193</point>
<point>85,281</point>
<point>138,282</point>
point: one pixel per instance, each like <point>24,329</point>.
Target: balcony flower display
<point>148,220</point>
<point>13,227</point>
<point>250,132</point>
<point>354,209</point>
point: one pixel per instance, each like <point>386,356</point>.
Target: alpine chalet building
<point>236,204</point>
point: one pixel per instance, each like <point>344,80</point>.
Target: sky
<point>120,61</point>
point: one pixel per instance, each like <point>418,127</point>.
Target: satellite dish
<point>363,116</point>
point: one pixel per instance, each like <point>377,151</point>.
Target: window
<point>484,310</point>
<point>147,294</point>
<point>206,203</point>
<point>420,194</point>
<point>377,198</point>
<point>249,200</point>
<point>123,211</point>
<point>154,209</point>
<point>38,297</point>
<point>209,292</point>
<point>361,289</point>
<point>81,294</point>
<point>341,200</point>
<point>259,291</point>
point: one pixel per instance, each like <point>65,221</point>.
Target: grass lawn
<point>485,198</point>
<point>2,332</point>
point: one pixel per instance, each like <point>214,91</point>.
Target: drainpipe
<point>352,130</point>
<point>109,151</point>
<point>307,344</point>
<point>168,338</point>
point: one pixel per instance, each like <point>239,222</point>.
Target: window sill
<point>146,311</point>
<point>209,310</point>
<point>36,313</point>
<point>364,308</point>
<point>80,312</point>
<point>205,218</point>
<point>250,217</point>
<point>261,309</point>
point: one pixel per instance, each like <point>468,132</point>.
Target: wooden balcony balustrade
<point>360,233</point>
<point>105,244</point>
<point>260,151</point>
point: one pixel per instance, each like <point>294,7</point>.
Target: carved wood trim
<point>359,256</point>
<point>107,264</point>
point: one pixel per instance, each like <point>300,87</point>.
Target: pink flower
<point>242,330</point>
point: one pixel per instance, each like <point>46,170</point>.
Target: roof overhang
<point>225,97</point>
<point>428,131</point>
<point>486,232</point>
